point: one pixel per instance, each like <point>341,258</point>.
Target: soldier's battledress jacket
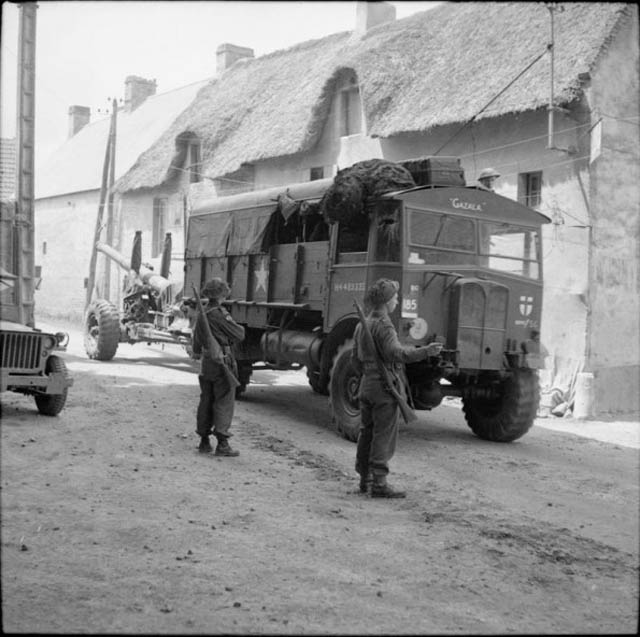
<point>393,353</point>
<point>226,331</point>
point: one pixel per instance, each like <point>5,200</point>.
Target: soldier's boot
<point>205,445</point>
<point>224,449</point>
<point>365,482</point>
<point>380,489</point>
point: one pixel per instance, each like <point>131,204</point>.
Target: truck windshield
<point>440,239</point>
<point>510,249</point>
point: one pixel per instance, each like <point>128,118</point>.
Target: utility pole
<point>25,129</point>
<point>110,215</point>
<point>552,7</point>
<point>103,196</point>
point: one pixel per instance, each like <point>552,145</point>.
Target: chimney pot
<point>79,117</point>
<point>227,54</point>
<point>136,91</point>
<point>372,14</point>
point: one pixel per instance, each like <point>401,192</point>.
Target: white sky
<point>85,50</point>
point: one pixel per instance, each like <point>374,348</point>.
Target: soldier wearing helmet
<point>217,397</point>
<point>487,177</point>
<point>379,409</point>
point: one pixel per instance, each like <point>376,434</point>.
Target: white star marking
<point>261,277</point>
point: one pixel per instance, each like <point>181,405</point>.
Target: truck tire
<point>510,416</point>
<point>318,384</point>
<point>101,330</point>
<point>244,376</point>
<point>344,386</point>
<point>52,404</point>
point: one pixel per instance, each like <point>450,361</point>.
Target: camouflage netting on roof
<point>354,188</point>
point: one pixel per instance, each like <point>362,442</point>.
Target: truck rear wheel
<point>344,386</point>
<point>511,414</point>
<point>102,330</point>
<point>245,369</point>
<point>52,404</point>
<point>319,384</point>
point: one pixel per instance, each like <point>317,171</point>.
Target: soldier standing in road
<point>379,409</point>
<point>217,395</point>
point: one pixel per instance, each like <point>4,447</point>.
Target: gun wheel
<point>102,330</point>
<point>344,387</point>
<point>508,416</point>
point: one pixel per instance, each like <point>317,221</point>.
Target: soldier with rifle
<point>380,357</point>
<point>214,334</point>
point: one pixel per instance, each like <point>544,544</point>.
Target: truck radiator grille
<point>478,329</point>
<point>20,352</point>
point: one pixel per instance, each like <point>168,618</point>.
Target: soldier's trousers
<point>215,410</point>
<point>378,433</point>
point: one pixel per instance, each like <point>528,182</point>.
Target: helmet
<point>215,288</point>
<point>488,172</point>
<point>381,292</point>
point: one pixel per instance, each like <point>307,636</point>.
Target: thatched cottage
<point>473,80</point>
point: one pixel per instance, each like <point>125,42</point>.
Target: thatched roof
<point>430,69</point>
<point>76,166</point>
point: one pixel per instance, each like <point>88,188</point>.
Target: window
<point>530,189</point>
<point>159,225</point>
<point>350,111</point>
<point>442,231</point>
<point>194,163</point>
<point>316,173</point>
<point>510,248</point>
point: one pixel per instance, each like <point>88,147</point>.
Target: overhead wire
<point>493,99</point>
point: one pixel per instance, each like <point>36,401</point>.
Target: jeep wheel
<point>102,330</point>
<point>343,393</point>
<point>511,414</point>
<point>52,404</point>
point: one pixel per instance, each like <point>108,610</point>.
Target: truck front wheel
<point>52,404</point>
<point>509,415</point>
<point>101,330</point>
<point>344,387</point>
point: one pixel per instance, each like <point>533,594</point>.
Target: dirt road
<point>112,522</point>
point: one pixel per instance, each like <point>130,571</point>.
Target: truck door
<point>347,271</point>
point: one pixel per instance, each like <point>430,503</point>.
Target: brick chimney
<point>136,91</point>
<point>79,117</point>
<point>372,14</point>
<point>227,54</point>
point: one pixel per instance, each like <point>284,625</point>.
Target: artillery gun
<point>147,314</point>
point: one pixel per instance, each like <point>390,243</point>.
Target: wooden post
<point>110,216</point>
<point>98,230</point>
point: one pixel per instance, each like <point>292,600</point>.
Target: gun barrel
<point>157,282</point>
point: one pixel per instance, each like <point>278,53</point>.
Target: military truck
<point>29,360</point>
<point>469,264</point>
